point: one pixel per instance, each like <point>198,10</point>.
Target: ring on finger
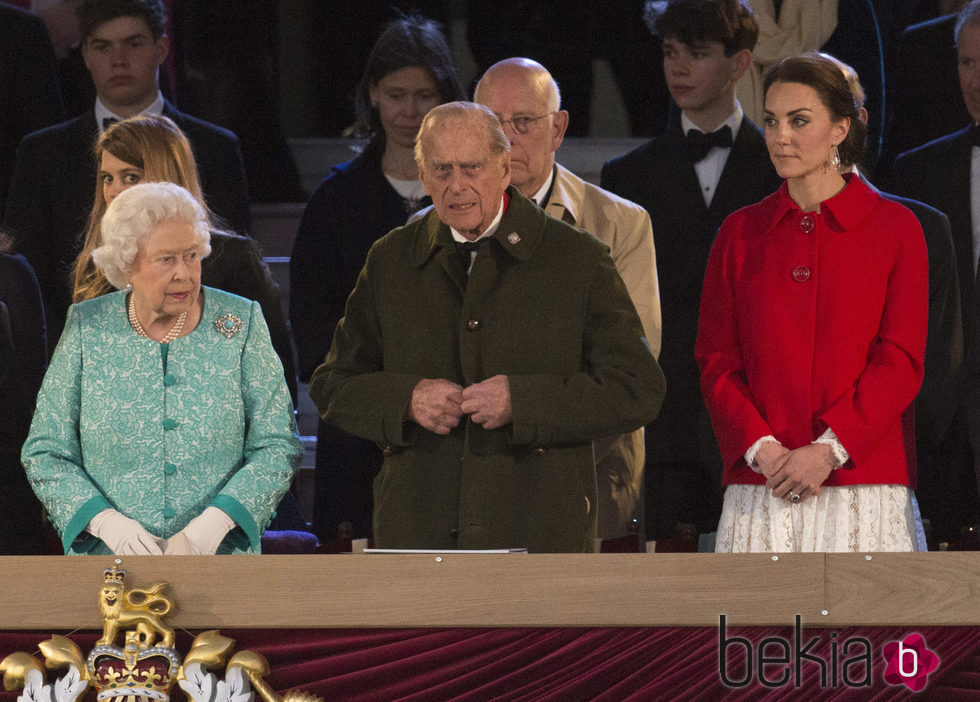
<point>794,497</point>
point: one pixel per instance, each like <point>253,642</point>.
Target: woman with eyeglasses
<point>408,72</point>
<point>163,425</point>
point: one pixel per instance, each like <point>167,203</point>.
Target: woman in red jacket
<point>812,338</point>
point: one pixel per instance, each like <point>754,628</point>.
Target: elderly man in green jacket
<point>485,346</point>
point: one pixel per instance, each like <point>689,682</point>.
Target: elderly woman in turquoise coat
<point>163,425</point>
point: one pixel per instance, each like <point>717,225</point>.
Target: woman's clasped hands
<point>795,474</point>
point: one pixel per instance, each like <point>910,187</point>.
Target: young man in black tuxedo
<point>54,178</point>
<point>710,161</point>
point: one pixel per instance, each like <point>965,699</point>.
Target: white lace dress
<point>839,519</point>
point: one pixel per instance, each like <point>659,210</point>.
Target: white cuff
<point>754,449</point>
<point>841,455</point>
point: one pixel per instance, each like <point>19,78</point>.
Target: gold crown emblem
<point>133,671</point>
<point>115,576</point>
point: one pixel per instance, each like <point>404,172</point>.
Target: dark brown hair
<point>730,22</point>
<point>406,41</point>
<point>94,13</point>
<point>825,77</point>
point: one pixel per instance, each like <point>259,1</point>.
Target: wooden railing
<point>450,590</point>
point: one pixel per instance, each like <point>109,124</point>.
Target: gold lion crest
<point>148,666</point>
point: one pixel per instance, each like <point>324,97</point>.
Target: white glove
<point>124,536</point>
<point>202,535</point>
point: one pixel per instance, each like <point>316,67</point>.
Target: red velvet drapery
<point>673,663</point>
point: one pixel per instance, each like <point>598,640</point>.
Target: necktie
<point>108,122</point>
<point>698,144</point>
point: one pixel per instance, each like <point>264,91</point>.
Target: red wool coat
<point>816,319</point>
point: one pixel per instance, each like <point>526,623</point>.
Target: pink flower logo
<point>909,662</point>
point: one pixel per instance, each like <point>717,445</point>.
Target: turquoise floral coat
<point>162,431</point>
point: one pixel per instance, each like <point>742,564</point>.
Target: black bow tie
<point>974,135</point>
<point>108,122</point>
<point>698,144</point>
<point>465,249</point>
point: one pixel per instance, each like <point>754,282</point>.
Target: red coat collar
<point>843,211</point>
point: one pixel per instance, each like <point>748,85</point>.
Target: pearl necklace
<point>138,328</point>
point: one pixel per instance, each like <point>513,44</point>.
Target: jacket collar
<point>519,233</point>
<point>566,195</point>
<point>847,208</point>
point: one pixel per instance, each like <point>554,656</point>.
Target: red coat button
<point>801,274</point>
<point>806,224</point>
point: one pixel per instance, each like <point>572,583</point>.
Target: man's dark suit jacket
<point>938,174</point>
<point>660,177</point>
<point>924,103</point>
<point>29,95</point>
<point>53,187</point>
<point>973,393</point>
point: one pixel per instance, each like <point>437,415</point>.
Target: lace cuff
<point>841,455</point>
<point>754,449</point>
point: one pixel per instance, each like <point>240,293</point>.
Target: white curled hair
<point>133,215</point>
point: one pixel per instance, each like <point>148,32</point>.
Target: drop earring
<point>835,159</point>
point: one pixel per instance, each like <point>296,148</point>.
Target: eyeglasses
<point>522,125</point>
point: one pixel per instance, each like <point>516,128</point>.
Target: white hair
<point>133,215</point>
<point>497,139</point>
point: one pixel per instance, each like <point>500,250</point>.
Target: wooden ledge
<point>621,590</point>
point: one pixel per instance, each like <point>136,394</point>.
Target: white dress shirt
<point>710,167</point>
<point>102,112</point>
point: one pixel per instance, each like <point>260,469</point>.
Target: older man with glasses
<point>525,98</point>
